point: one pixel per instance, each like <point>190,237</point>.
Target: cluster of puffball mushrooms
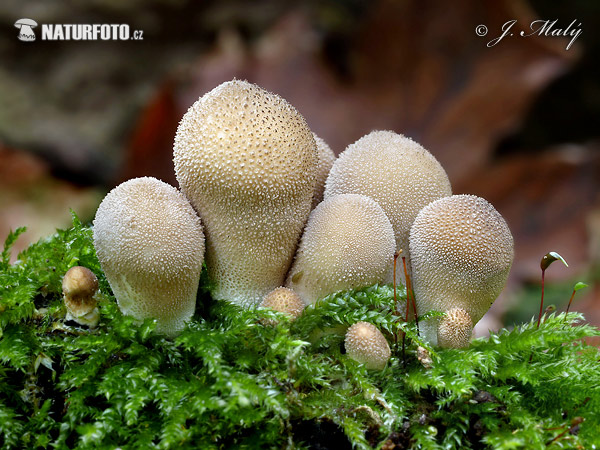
<point>281,223</point>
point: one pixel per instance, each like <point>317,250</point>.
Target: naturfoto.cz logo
<point>77,32</point>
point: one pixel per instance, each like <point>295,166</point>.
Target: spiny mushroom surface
<point>365,344</point>
<point>326,159</point>
<point>247,161</point>
<point>455,329</point>
<point>462,251</point>
<point>150,243</point>
<point>79,286</point>
<point>397,173</point>
<point>348,243</point>
<point>284,300</point>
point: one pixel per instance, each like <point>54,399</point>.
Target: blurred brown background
<point>515,123</point>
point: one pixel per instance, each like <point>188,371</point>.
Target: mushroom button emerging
<point>348,243</point>
<point>397,173</point>
<point>150,244</point>
<point>284,300</point>
<point>247,161</point>
<point>365,344</point>
<point>462,251</point>
<point>79,286</point>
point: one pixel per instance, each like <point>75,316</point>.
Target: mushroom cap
<point>150,244</point>
<point>397,173</point>
<point>29,22</point>
<point>455,329</point>
<point>79,285</point>
<point>247,161</point>
<point>348,243</point>
<point>367,345</point>
<point>326,159</point>
<point>461,251</point>
<point>284,300</point>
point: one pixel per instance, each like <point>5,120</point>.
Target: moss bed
<point>230,381</point>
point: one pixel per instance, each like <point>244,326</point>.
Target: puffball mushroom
<point>326,157</point>
<point>397,173</point>
<point>150,244</point>
<point>455,329</point>
<point>365,344</point>
<point>284,300</point>
<point>348,243</point>
<point>461,250</point>
<point>247,161</point>
<point>79,286</point>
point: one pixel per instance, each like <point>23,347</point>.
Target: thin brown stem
<point>410,296</point>
<point>396,311</point>
<point>570,300</point>
<point>542,300</point>
<point>407,290</point>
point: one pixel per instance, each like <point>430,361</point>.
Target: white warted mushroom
<point>284,300</point>
<point>150,244</point>
<point>348,243</point>
<point>247,161</point>
<point>397,173</point>
<point>326,159</point>
<point>455,329</point>
<point>79,286</point>
<point>26,26</point>
<point>462,251</point>
<point>365,344</point>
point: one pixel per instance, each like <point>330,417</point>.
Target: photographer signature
<point>547,28</point>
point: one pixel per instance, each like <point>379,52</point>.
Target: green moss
<point>228,381</point>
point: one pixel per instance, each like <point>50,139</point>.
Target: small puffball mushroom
<point>397,173</point>
<point>247,161</point>
<point>348,243</point>
<point>284,300</point>
<point>150,244</point>
<point>461,250</point>
<point>455,329</point>
<point>79,286</point>
<point>326,159</point>
<point>367,345</point>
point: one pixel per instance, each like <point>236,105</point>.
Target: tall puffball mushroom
<point>462,251</point>
<point>397,173</point>
<point>247,161</point>
<point>150,244</point>
<point>326,157</point>
<point>348,243</point>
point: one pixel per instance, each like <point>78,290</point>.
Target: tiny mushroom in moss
<point>348,243</point>
<point>247,161</point>
<point>455,329</point>
<point>150,244</point>
<point>365,344</point>
<point>284,300</point>
<point>79,286</point>
<point>461,250</point>
<point>396,172</point>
